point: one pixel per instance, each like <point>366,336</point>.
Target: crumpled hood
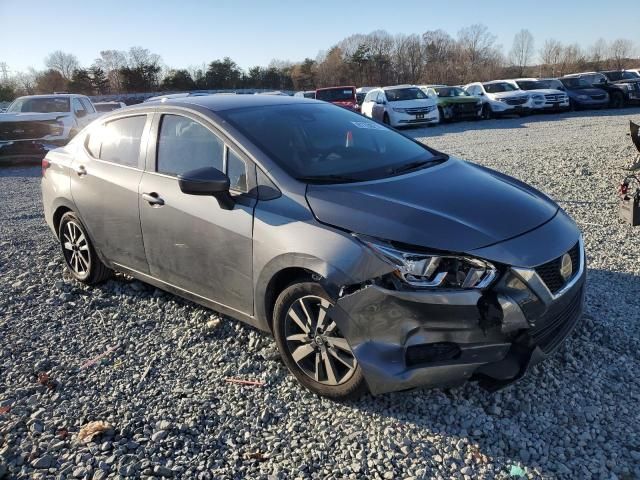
<point>456,206</point>
<point>31,116</point>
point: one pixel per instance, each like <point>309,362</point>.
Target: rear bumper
<point>408,339</point>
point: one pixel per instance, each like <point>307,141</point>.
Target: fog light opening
<point>431,352</point>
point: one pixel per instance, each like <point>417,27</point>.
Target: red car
<point>342,96</point>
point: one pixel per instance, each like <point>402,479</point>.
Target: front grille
<point>24,130</point>
<point>516,101</point>
<point>414,111</point>
<point>552,331</point>
<point>599,96</point>
<point>554,97</point>
<point>550,272</point>
<point>465,107</point>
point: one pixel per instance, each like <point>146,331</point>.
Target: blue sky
<point>253,32</point>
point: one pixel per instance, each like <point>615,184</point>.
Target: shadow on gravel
<point>26,170</point>
<point>514,122</point>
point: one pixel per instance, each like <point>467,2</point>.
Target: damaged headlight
<point>434,270</point>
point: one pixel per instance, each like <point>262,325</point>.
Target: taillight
<point>45,165</point>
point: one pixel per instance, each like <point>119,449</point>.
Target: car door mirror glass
<point>207,181</point>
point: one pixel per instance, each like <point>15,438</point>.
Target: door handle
<point>153,199</point>
<point>80,170</point>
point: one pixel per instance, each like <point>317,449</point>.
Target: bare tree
<point>598,53</point>
<point>522,51</point>
<point>477,47</point>
<point>111,61</point>
<point>65,63</point>
<point>27,81</point>
<point>550,55</point>
<point>408,58</point>
<point>571,58</point>
<point>140,57</point>
<point>440,52</point>
<point>621,50</point>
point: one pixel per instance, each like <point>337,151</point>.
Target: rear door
<point>379,106</point>
<point>190,242</point>
<point>107,170</point>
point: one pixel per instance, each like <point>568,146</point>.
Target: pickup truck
<point>623,90</point>
<point>35,124</point>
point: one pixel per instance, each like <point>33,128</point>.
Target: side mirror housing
<point>207,181</point>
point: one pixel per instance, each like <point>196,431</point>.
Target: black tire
<point>353,385</point>
<point>78,252</point>
<point>385,119</point>
<point>487,112</point>
<point>617,100</point>
<point>443,119</point>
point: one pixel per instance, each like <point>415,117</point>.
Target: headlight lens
<point>399,110</point>
<point>425,270</point>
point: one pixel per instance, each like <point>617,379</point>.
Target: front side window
<point>118,141</point>
<point>78,107</point>
<point>400,94</point>
<point>184,145</point>
<point>319,143</point>
<point>236,171</point>
<point>87,105</point>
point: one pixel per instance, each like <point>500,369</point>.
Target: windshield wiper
<point>416,165</point>
<point>327,179</point>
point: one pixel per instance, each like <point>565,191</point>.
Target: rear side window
<point>184,144</point>
<point>118,141</point>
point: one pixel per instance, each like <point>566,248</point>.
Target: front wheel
<point>487,113</point>
<point>78,252</point>
<point>617,100</point>
<point>312,346</point>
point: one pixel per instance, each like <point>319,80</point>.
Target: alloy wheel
<point>76,249</point>
<point>316,344</point>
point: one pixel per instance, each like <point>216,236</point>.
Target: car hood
<point>547,91</point>
<point>455,206</point>
<point>446,100</point>
<point>31,117</point>
<point>586,91</point>
<point>417,103</point>
<point>516,93</point>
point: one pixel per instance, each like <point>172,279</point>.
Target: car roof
<point>217,103</point>
<point>497,81</point>
<point>395,87</point>
<point>53,95</point>
<point>335,88</point>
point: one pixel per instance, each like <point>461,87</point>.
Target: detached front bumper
<point>407,339</point>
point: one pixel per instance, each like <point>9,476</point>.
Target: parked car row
<point>403,105</point>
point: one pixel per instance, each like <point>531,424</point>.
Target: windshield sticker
<point>368,125</point>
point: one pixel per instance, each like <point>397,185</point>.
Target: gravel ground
<point>160,362</point>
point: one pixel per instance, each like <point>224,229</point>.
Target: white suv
<point>400,106</point>
<point>543,98</point>
<point>501,97</point>
<point>35,124</point>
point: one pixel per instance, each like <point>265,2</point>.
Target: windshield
<point>451,92</point>
<point>336,94</point>
<point>319,143</point>
<point>531,85</point>
<point>400,94</point>
<point>575,83</point>
<point>499,87</point>
<point>628,75</point>
<point>40,105</point>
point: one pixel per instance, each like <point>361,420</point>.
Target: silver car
<point>377,263</point>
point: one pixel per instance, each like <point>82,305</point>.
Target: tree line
<point>377,58</point>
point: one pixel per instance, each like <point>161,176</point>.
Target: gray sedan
<point>377,263</point>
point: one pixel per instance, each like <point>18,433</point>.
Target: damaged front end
<point>488,323</point>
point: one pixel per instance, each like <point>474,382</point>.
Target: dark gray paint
<point>225,259</point>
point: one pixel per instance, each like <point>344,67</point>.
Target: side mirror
<point>480,94</point>
<point>207,181</point>
<point>81,113</point>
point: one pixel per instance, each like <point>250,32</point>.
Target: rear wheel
<point>78,252</point>
<point>312,346</point>
<point>386,120</point>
